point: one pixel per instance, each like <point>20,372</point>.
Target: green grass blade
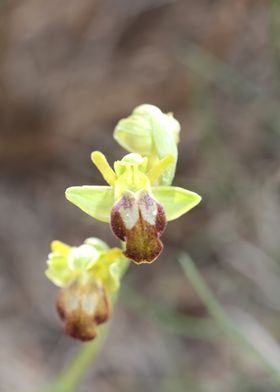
<point>229,328</point>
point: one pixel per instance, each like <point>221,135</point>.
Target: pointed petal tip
<point>197,198</point>
<point>72,191</point>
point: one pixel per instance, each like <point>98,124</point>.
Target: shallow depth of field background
<point>69,70</point>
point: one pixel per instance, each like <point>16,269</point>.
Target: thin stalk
<point>71,376</point>
<point>228,326</point>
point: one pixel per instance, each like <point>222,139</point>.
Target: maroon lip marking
<point>82,308</point>
<point>139,220</point>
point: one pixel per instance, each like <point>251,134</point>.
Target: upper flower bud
<point>150,132</point>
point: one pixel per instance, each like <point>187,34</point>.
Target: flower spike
<point>137,203</point>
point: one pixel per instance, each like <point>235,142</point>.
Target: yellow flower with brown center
<point>134,204</point>
<point>87,275</point>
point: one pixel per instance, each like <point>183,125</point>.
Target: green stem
<point>228,326</point>
<point>71,376</point>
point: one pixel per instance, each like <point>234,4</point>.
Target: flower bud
<point>135,134</point>
<point>150,132</point>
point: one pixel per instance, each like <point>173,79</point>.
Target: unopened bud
<point>150,132</point>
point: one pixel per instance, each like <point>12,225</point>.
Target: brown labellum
<point>139,220</point>
<point>82,308</point>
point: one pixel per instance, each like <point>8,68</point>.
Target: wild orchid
<point>137,203</point>
<point>87,275</point>
<point>135,206</point>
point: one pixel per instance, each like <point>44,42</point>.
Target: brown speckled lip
<point>142,239</point>
<point>79,322</point>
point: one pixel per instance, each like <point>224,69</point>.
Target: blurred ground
<point>69,70</point>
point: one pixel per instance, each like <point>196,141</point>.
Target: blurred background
<point>69,70</point>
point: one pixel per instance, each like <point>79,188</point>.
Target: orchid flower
<point>135,205</point>
<point>87,275</point>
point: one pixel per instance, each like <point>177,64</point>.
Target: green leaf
<point>241,333</point>
<point>96,201</point>
<point>175,201</point>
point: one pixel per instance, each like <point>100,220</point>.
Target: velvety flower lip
<point>134,204</point>
<point>82,308</point>
<point>139,220</point>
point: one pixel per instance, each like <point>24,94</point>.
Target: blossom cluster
<point>137,203</point>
